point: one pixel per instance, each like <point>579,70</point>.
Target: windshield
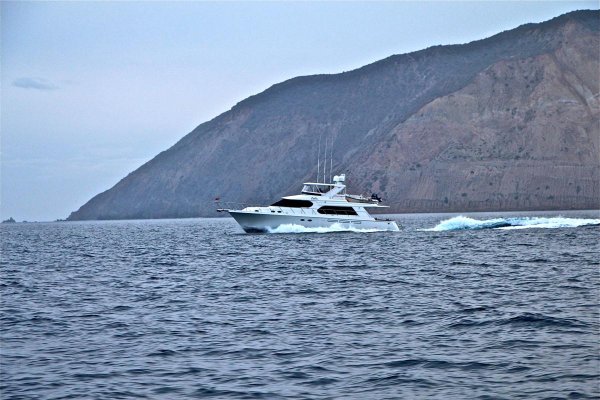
<point>293,203</point>
<point>316,189</point>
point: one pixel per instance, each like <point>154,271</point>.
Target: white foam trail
<point>294,228</point>
<point>552,223</point>
<point>466,223</point>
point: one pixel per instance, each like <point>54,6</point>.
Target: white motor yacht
<point>321,205</point>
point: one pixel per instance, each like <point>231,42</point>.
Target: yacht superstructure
<point>320,205</point>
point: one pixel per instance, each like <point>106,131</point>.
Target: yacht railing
<point>232,205</point>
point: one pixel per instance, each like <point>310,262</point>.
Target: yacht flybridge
<point>320,205</point>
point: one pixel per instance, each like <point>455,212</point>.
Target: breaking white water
<point>294,228</point>
<point>466,223</point>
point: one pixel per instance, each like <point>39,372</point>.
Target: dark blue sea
<point>484,306</point>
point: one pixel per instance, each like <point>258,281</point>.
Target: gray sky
<point>92,90</point>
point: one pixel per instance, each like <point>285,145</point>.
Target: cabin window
<point>336,210</point>
<point>293,203</point>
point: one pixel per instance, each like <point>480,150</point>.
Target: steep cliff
<point>505,123</point>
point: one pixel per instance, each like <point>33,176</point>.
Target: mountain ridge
<point>359,110</point>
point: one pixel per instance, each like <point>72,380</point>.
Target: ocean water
<point>482,306</point>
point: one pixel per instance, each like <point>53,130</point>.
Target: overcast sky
<point>92,90</point>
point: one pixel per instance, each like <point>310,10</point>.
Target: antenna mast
<point>331,161</point>
<point>325,163</point>
<point>319,158</point>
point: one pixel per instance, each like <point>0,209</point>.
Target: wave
<point>294,228</point>
<point>465,223</point>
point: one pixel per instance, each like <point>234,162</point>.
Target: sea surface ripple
<point>196,308</point>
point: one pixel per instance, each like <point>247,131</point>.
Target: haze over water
<point>195,308</point>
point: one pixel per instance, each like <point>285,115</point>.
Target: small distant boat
<point>320,205</point>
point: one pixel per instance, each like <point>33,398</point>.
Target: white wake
<point>294,228</point>
<point>466,223</point>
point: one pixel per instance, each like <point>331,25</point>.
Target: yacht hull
<point>253,222</point>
